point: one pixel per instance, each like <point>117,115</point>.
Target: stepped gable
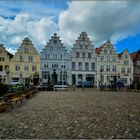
<point>120,54</point>
<point>55,40</point>
<point>26,42</point>
<point>8,53</point>
<point>83,39</point>
<point>98,50</point>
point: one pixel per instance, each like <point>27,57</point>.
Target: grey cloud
<point>102,20</point>
<point>13,31</point>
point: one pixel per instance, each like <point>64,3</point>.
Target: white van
<point>13,82</point>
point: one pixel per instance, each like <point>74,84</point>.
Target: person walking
<point>73,86</point>
<point>83,86</point>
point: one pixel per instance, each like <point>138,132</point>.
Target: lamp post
<point>35,78</point>
<point>97,75</point>
<point>7,71</point>
<point>129,72</point>
<point>101,76</point>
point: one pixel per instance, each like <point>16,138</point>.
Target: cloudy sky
<point>118,21</point>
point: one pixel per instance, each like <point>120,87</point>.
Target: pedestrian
<point>73,86</point>
<point>83,86</point>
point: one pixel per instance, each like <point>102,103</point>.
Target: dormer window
<point>1,58</point>
<point>126,62</point>
<point>30,58</point>
<point>105,51</point>
<point>77,54</point>
<point>26,68</point>
<point>89,55</point>
<point>26,50</point>
<point>108,58</point>
<point>102,58</point>
<point>83,54</point>
<point>86,47</point>
<point>21,58</point>
<point>81,46</point>
<point>55,41</point>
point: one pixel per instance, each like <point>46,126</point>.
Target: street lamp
<point>97,75</point>
<point>35,78</point>
<point>101,76</point>
<point>129,72</point>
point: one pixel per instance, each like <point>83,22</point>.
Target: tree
<point>3,89</point>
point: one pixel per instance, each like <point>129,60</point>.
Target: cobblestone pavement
<point>74,114</point>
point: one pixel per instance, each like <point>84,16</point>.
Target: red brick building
<point>136,60</point>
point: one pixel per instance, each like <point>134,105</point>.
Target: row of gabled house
<point>24,66</point>
<point>82,63</point>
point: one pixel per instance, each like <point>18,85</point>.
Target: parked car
<point>116,85</point>
<point>50,87</point>
<point>120,85</point>
<point>79,84</point>
<point>61,85</point>
<point>14,82</point>
<point>85,84</point>
<point>42,86</point>
<point>45,86</point>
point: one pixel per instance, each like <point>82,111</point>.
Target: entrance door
<point>90,77</point>
<point>80,77</point>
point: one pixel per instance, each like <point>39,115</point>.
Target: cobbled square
<point>75,115</point>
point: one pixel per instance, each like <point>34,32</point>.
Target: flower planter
<point>2,106</point>
<point>28,96</point>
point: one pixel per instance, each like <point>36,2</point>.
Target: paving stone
<point>77,114</point>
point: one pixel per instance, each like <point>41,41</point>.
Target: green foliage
<point>15,88</point>
<point>132,86</point>
<point>138,86</point>
<point>3,89</point>
<point>135,85</point>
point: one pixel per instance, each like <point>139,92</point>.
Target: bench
<point>60,89</point>
<point>13,97</point>
<point>29,93</point>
